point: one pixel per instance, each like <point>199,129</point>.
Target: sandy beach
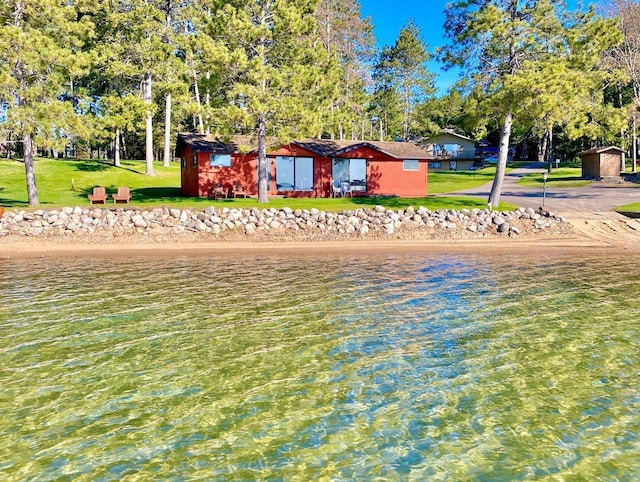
<point>591,233</point>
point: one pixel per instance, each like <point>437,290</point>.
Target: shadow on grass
<point>431,202</point>
<point>12,203</point>
<point>91,166</point>
<point>156,194</point>
<point>99,166</point>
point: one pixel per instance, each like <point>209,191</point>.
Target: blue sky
<point>389,17</point>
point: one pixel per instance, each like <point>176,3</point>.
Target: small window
<point>220,160</point>
<point>410,165</point>
<point>183,162</point>
<point>435,165</point>
<point>194,160</point>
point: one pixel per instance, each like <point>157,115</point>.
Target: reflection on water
<point>347,367</point>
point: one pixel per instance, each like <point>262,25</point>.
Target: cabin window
<point>352,171</point>
<point>294,173</point>
<point>435,165</point>
<point>447,150</point>
<point>183,162</point>
<point>220,160</point>
<point>410,165</point>
<point>194,161</point>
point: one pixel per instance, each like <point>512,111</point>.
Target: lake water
<point>410,366</point>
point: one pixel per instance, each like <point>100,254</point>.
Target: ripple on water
<point>395,367</point>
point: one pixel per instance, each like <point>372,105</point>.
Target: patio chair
<point>238,191</point>
<point>345,188</point>
<point>123,195</point>
<point>99,195</point>
<point>218,192</point>
<point>336,189</point>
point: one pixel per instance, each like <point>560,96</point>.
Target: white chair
<point>345,188</point>
<point>336,189</point>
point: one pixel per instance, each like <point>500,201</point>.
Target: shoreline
<point>529,246</point>
<point>587,233</point>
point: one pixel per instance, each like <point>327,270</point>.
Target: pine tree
<point>626,56</point>
<point>402,68</point>
<point>134,51</point>
<point>509,46</point>
<point>348,37</point>
<point>280,76</point>
<point>41,52</point>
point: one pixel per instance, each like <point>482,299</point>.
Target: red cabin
<point>305,168</point>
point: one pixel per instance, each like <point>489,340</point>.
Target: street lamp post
<point>545,175</point>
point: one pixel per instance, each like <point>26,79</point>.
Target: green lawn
<point>451,181</point>
<point>629,208</point>
<point>562,177</point>
<point>65,182</point>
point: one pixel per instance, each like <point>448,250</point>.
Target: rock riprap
<point>285,223</point>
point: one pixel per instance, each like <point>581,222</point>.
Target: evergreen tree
<point>134,50</point>
<point>626,56</point>
<point>349,37</point>
<point>402,68</point>
<point>41,52</point>
<point>509,46</point>
<point>281,79</point>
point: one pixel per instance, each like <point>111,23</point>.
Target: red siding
<point>385,174</point>
<point>242,170</point>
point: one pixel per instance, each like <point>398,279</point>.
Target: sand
<point>591,233</point>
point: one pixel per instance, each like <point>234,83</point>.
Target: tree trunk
<point>32,190</point>
<point>166,162</point>
<point>550,148</point>
<point>542,147</point>
<point>207,99</point>
<point>634,169</point>
<point>503,153</point>
<point>196,90</point>
<point>149,125</point>
<point>116,148</point>
<point>262,159</point>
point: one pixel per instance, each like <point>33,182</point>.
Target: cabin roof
<point>450,132</point>
<point>333,148</point>
<point>218,145</point>
<point>321,147</point>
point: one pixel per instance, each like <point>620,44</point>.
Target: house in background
<point>602,162</point>
<point>304,168</point>
<point>452,151</point>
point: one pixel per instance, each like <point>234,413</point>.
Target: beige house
<point>602,162</point>
<point>452,151</point>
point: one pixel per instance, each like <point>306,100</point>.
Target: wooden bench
<point>123,195</point>
<point>99,196</point>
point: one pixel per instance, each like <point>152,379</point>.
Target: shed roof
<point>333,148</point>
<point>600,150</point>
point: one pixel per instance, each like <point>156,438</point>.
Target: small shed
<point>602,162</point>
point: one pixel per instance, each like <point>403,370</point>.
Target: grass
<point>633,208</point>
<point>451,181</point>
<point>561,177</point>
<point>66,182</point>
